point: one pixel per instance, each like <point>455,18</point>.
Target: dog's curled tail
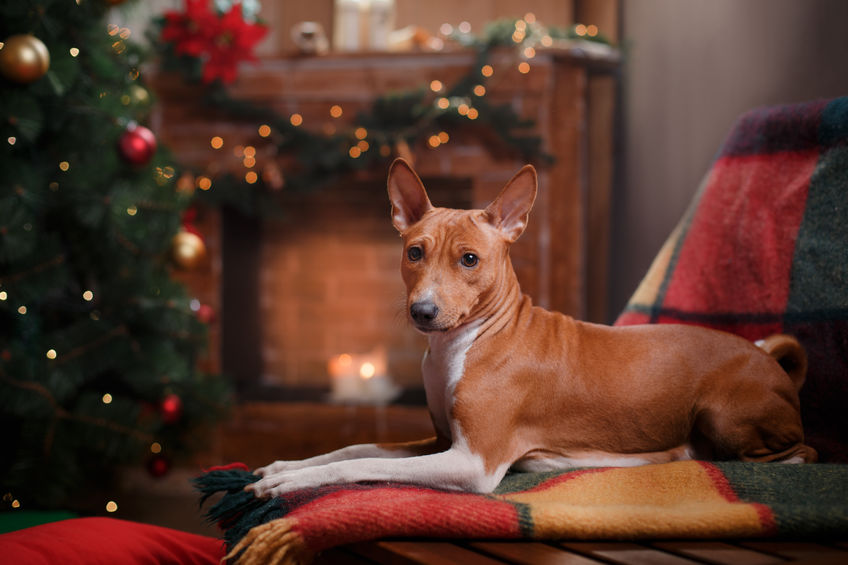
<point>789,353</point>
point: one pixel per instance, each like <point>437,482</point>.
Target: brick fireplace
<point>321,280</point>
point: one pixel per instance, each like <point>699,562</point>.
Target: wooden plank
<point>420,553</point>
<point>627,553</point>
<point>719,553</point>
<point>524,553</point>
<point>793,550</point>
<point>340,556</point>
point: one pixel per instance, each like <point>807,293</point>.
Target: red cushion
<point>106,540</point>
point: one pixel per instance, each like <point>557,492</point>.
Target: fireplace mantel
<point>561,260</point>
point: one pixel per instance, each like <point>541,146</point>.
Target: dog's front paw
<point>272,485</point>
<point>273,468</point>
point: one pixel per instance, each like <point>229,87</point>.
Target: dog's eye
<point>469,260</point>
<point>415,253</point>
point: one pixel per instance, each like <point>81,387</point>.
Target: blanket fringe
<point>273,542</point>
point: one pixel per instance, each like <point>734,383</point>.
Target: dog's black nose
<point>423,312</point>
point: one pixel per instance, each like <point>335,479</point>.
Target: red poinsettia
<point>221,41</point>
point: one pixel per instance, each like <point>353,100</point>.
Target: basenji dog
<point>511,385</point>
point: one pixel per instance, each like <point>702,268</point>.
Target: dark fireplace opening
<point>312,302</point>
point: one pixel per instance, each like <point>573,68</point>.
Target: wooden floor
<point>587,553</point>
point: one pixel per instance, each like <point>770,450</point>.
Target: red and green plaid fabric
<point>764,249</point>
<point>687,499</point>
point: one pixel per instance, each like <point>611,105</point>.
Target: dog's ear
<point>509,211</point>
<point>407,195</point>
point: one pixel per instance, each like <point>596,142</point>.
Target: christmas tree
<point>98,342</point>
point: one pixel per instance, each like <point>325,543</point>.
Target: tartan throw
<point>763,249</point>
<point>686,499</point>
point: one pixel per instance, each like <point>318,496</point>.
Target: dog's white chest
<point>442,368</point>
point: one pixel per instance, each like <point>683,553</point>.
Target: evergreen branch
<point>57,260</point>
<point>80,350</point>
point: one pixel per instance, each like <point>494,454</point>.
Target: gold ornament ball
<point>187,250</point>
<point>24,58</point>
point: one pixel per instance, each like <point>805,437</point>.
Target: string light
<point>132,211</point>
<point>51,353</point>
<point>264,130</point>
<point>464,27</point>
<point>107,398</point>
<point>216,142</point>
<point>155,447</point>
<point>3,295</point>
<point>443,103</point>
<point>446,29</point>
<point>16,503</point>
<point>487,71</point>
<point>249,151</point>
<point>111,506</point>
<point>462,109</point>
<point>479,90</point>
<point>360,133</point>
<point>580,30</point>
<point>363,146</point>
<point>436,85</point>
<point>444,137</point>
<point>251,177</point>
<point>22,310</point>
<point>248,162</point>
<point>336,111</point>
<point>74,51</point>
<point>355,152</point>
<point>547,40</point>
<point>434,141</point>
<point>591,30</point>
<point>296,119</point>
<point>524,67</point>
<point>472,114</point>
<point>529,52</point>
<point>530,18</point>
<point>204,183</point>
<point>88,296</point>
<point>64,165</point>
<point>12,140</point>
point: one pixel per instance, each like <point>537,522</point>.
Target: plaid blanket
<point>764,249</point>
<point>686,499</point>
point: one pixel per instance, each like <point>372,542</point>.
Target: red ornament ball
<point>205,314</point>
<point>137,145</point>
<point>158,466</point>
<point>171,409</point>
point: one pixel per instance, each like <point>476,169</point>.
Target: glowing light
<point>111,506</point>
<point>16,503</point>
<point>345,360</point>
<point>132,211</point>
<point>385,150</point>
<point>367,370</point>
<point>361,133</point>
<point>580,30</point>
<point>12,140</point>
<point>51,353</point>
<point>443,103</point>
<point>64,165</point>
<point>355,152</point>
<point>336,111</point>
<point>436,85</point>
<point>434,141</point>
<point>530,18</point>
<point>472,114</point>
<point>363,146</point>
<point>464,27</point>
<point>249,162</point>
<point>446,29</point>
<point>529,52</point>
<point>462,109</point>
<point>74,51</point>
<point>520,25</point>
<point>518,36</point>
<point>296,119</point>
<point>204,183</point>
<point>216,142</point>
<point>479,90</point>
<point>88,296</point>
<point>22,310</point>
<point>250,151</point>
<point>238,150</point>
<point>592,30</point>
<point>3,295</point>
<point>524,67</point>
<point>264,130</point>
<point>107,398</point>
<point>251,177</point>
<point>155,447</point>
<point>444,137</point>
<point>487,70</point>
<point>547,40</point>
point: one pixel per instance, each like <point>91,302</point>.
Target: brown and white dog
<point>511,385</point>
